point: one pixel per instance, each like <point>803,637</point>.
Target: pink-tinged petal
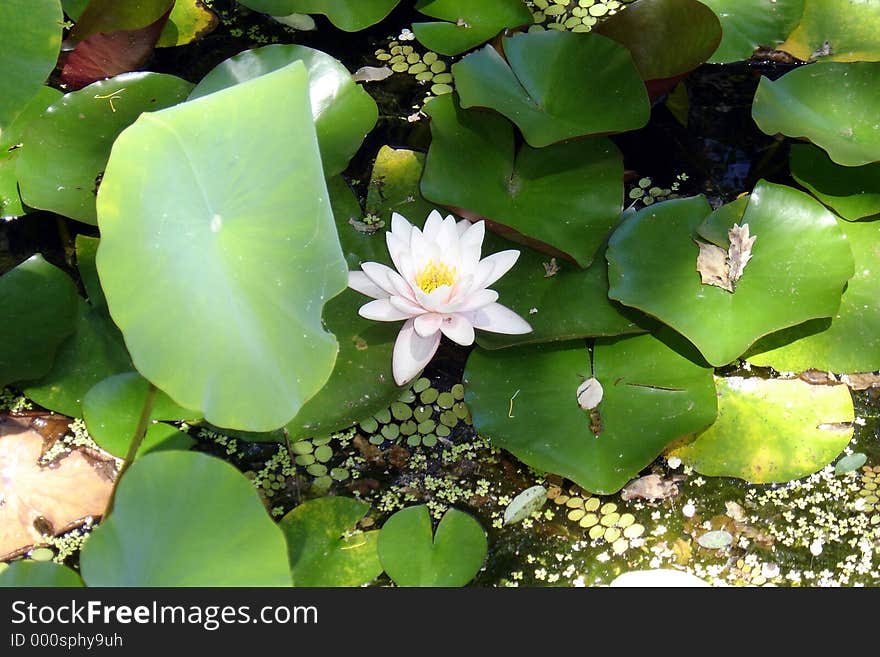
<point>402,288</point>
<point>405,306</point>
<point>432,225</point>
<point>411,353</point>
<point>381,310</point>
<point>474,301</point>
<point>458,329</point>
<point>428,324</point>
<point>435,301</point>
<point>360,282</point>
<point>400,227</point>
<point>493,267</point>
<point>499,319</point>
<point>378,273</point>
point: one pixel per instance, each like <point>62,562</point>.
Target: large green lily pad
<point>185,519</point>
<point>110,16</point>
<point>540,85</point>
<point>525,401</point>
<point>10,149</point>
<point>567,304</point>
<point>348,15</point>
<point>230,228</point>
<point>799,266</point>
<point>320,550</point>
<point>188,21</point>
<point>30,31</point>
<point>413,555</point>
<point>394,187</point>
<point>648,27</point>
<point>39,574</point>
<point>852,28</point>
<point>67,148</point>
<point>568,195</point>
<point>852,192</point>
<point>86,252</point>
<point>94,352</point>
<point>852,341</point>
<point>112,408</point>
<point>343,112</point>
<point>771,430</point>
<point>747,24</point>
<point>465,24</point>
<point>39,312</point>
<point>834,105</point>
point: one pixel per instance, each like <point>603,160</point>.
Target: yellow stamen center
<point>434,275</point>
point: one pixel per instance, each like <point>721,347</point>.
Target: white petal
<point>493,267</point>
<point>411,353</point>
<point>382,311</point>
<point>499,319</point>
<point>432,225</point>
<point>447,240</point>
<point>359,281</point>
<point>458,329</point>
<point>462,226</point>
<point>405,306</point>
<point>471,243</point>
<point>428,324</point>
<point>437,300</point>
<point>401,287</point>
<point>400,227</point>
<point>474,301</point>
<point>399,250</point>
<point>378,273</point>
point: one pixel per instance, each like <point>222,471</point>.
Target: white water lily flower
<point>440,287</point>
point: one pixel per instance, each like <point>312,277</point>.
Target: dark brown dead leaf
<point>34,498</point>
<point>861,380</point>
<point>651,487</point>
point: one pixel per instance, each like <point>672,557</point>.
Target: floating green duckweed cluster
<point>645,192</point>
<point>422,416</point>
<point>602,520</point>
<point>14,402</point>
<point>77,436</point>
<point>316,454</point>
<point>571,15</point>
<point>870,480</point>
<point>428,67</point>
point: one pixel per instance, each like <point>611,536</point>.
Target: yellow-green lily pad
<point>852,30</point>
<point>747,24</point>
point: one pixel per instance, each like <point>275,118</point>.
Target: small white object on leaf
<point>525,504</point>
<point>724,268</point>
<point>301,22</point>
<point>589,394</point>
<point>715,540</point>
<point>440,287</point>
<point>372,73</point>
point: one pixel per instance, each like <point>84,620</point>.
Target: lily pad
<point>568,195</point>
<point>86,251</point>
<point>470,22</point>
<point>39,312</point>
<point>413,555</point>
<point>253,349</point>
<point>342,110</point>
<point>647,28</point>
<point>94,352</point>
<point>111,16</point>
<point>799,266</point>
<point>772,430</point>
<point>747,24</point>
<point>833,105</point>
<point>35,574</point>
<point>112,408</point>
<point>348,15</point>
<point>852,192</point>
<point>320,550</point>
<point>220,536</point>
<point>189,20</point>
<point>525,401</point>
<point>30,31</point>
<point>850,463</point>
<point>394,186</point>
<point>539,86</point>
<point>852,29</point>
<point>67,148</point>
<point>852,341</point>
<point>10,149</point>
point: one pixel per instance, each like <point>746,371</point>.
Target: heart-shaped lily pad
<point>221,536</point>
<point>228,198</point>
<point>834,105</point>
<point>852,192</point>
<point>799,266</point>
<point>342,110</point>
<point>321,551</point>
<point>36,574</point>
<point>468,22</point>
<point>113,406</point>
<point>567,195</point>
<point>560,300</point>
<point>525,401</point>
<point>413,555</point>
<point>852,29</point>
<point>852,341</point>
<point>67,148</point>
<point>771,430</point>
<point>11,146</point>
<point>30,31</point>
<point>539,86</point>
<point>747,24</point>
<point>348,15</point>
<point>39,304</point>
<point>647,28</point>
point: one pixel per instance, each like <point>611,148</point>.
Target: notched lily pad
<point>468,23</point>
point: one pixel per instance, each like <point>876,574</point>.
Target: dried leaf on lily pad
<point>740,251</point>
<point>37,499</point>
<point>651,487</point>
<point>724,268</point>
